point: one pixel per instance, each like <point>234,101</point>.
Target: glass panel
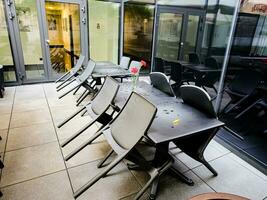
<point>191,3</point>
<point>63,24</point>
<point>104,30</point>
<point>191,34</point>
<point>30,38</point>
<point>169,35</point>
<point>244,102</point>
<point>6,58</point>
<point>138,27</point>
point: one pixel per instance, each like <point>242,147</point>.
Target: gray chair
<point>160,81</point>
<point>123,134</point>
<point>195,146</point>
<point>72,73</point>
<point>81,80</point>
<point>124,62</point>
<point>98,109</point>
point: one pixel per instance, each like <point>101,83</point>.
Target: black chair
<point>208,79</point>
<point>160,81</point>
<point>195,147</point>
<point>241,88</point>
<point>159,65</point>
<point>194,58</point>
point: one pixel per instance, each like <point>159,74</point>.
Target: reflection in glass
<point>244,103</point>
<point>63,24</point>
<point>191,34</point>
<point>169,35</point>
<point>6,58</point>
<point>30,38</point>
<point>104,30</point>
<point>138,28</point>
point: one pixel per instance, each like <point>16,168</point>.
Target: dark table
<point>174,119</point>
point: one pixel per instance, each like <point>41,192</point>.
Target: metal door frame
<point>44,31</point>
<point>185,12</point>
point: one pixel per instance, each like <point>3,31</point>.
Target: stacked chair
<point>81,80</point>
<point>98,108</point>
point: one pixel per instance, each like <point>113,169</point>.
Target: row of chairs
<point>179,74</point>
<point>124,128</point>
<point>79,76</point>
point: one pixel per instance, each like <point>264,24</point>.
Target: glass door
<point>169,35</point>
<point>178,32</point>
<point>29,34</point>
<point>64,34</point>
<point>6,57</point>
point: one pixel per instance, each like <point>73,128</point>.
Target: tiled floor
<point>35,169</point>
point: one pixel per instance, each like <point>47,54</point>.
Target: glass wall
<point>138,31</point>
<point>244,103</point>
<point>104,27</point>
<point>29,31</point>
<point>6,58</point>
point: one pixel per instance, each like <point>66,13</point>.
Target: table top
<point>111,71</point>
<point>174,119</point>
<point>105,65</point>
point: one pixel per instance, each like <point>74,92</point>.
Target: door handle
<point>47,42</point>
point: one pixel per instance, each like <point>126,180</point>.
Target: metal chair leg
<point>99,176</point>
<point>70,117</point>
<point>81,147</point>
<point>64,83</point>
<point>67,141</point>
<point>100,164</point>
<point>77,90</point>
<point>81,100</point>
<point>62,77</point>
<point>69,91</point>
<point>85,91</point>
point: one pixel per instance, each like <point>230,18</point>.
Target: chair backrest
<point>161,82</point>
<point>78,65</point>
<point>193,58</point>
<point>245,82</point>
<point>133,121</point>
<point>87,71</point>
<point>211,62</point>
<point>176,72</point>
<point>159,65</point>
<point>135,64</point>
<point>105,96</point>
<point>124,62</point>
<point>198,98</point>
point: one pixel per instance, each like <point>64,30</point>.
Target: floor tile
<point>24,164</point>
<point>55,186</point>
<point>117,184</point>
<point>29,104</point>
<point>4,121</point>
<point>59,113</point>
<point>27,136</point>
<point>219,147</point>
<point>210,153</point>
<point>248,166</point>
<point>20,96</point>
<point>233,178</point>
<point>6,107</point>
<point>172,188</point>
<point>3,134</point>
<point>30,118</point>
